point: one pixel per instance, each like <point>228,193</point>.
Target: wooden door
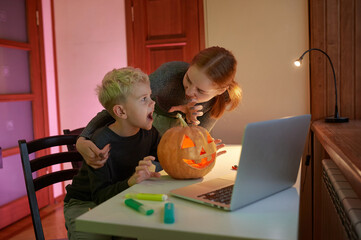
<point>160,31</point>
<point>23,113</point>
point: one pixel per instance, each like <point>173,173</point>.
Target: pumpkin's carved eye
<point>187,142</point>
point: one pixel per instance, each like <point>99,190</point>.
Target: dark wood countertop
<point>342,141</point>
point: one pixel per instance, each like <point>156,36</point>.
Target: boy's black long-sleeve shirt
<point>98,185</point>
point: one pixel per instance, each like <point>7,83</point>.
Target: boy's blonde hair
<point>117,84</point>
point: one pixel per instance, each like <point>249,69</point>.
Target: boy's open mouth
<point>150,116</point>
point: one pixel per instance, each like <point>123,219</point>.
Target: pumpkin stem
<point>179,116</point>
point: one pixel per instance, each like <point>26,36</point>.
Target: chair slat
<point>54,177</point>
<point>56,158</point>
<point>53,141</point>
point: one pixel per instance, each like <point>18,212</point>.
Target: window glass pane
<point>12,183</point>
<point>13,20</point>
<point>16,122</point>
<point>14,71</point>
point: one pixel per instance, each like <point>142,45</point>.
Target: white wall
<point>90,41</point>
<point>266,37</point>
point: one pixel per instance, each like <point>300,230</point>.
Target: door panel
<point>14,71</point>
<point>159,31</point>
<point>12,175</point>
<point>13,20</point>
<point>15,123</point>
<point>164,54</point>
<point>169,24</point>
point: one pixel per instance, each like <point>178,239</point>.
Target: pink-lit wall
<point>90,41</point>
<point>49,67</point>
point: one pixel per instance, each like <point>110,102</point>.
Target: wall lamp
<point>336,118</point>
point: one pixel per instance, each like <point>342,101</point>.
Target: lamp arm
<point>333,71</point>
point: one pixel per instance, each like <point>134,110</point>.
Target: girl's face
<point>198,86</point>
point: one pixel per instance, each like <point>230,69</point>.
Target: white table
<point>275,217</point>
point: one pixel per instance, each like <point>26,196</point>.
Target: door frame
<point>19,208</point>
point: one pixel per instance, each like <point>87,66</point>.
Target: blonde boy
<point>125,94</point>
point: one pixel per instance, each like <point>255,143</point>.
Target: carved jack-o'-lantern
<point>187,152</point>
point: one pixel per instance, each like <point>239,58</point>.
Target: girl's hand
<point>191,111</point>
<point>92,155</point>
<point>219,146</point>
<point>143,171</point>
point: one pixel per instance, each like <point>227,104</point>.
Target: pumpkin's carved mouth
<point>202,163</point>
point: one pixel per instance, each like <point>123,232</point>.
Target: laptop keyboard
<point>222,195</point>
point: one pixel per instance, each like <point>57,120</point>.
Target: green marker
<point>138,206</point>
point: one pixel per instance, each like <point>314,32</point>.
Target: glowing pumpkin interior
<point>203,162</point>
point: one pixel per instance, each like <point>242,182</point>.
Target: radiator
<point>345,201</point>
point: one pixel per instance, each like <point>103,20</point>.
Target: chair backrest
<point>49,178</point>
<point>71,147</point>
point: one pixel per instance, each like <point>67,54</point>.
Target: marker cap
<point>138,206</point>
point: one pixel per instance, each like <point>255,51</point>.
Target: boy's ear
<point>119,111</point>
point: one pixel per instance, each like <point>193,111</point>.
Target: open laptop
<point>269,163</point>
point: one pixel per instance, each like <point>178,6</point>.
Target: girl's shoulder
<point>168,77</point>
<point>174,64</point>
<point>174,67</point>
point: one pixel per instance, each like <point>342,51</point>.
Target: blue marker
<point>169,213</point>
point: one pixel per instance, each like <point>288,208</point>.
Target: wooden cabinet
<point>336,185</point>
<point>334,28</point>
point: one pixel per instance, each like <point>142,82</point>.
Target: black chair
<point>43,161</point>
<point>71,147</point>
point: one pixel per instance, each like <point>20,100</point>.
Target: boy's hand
<point>92,155</point>
<point>143,171</point>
